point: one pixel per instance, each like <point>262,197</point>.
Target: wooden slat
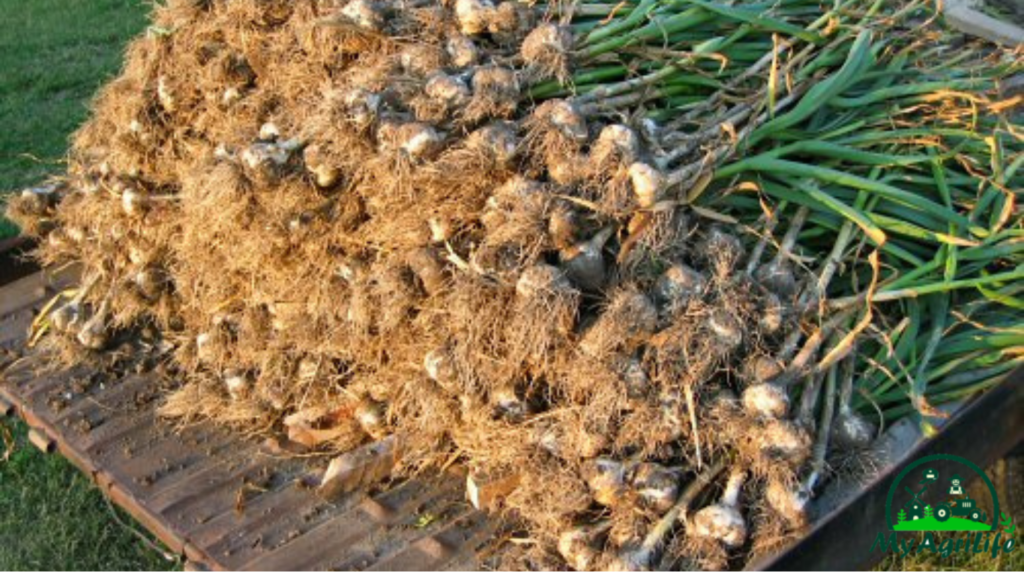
<point>22,293</point>
<point>31,290</point>
<point>14,260</point>
<point>433,551</point>
<point>221,500</point>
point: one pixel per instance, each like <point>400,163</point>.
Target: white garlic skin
<point>766,400</point>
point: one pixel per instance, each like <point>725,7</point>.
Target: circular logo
<point>956,513</point>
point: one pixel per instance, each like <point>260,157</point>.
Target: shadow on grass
<point>52,518</point>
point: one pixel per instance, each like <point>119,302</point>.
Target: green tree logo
<point>921,511</point>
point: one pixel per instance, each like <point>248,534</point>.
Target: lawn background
<point>54,54</point>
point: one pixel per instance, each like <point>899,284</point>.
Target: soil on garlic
<point>351,218</point>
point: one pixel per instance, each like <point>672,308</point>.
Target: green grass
<point>54,54</point>
<point>933,524</point>
<point>959,562</point>
<point>52,518</point>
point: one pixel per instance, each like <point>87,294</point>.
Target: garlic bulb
<point>364,14</point>
<point>269,132</point>
<point>440,367</point>
<point>777,276</point>
<point>462,52</point>
<point>723,521</point>
<point>772,314</point>
<point>579,546</point>
<point>723,250</point>
<point>545,38</point>
<point>419,141</point>
<point>507,403</point>
<point>372,418</point>
<point>785,441</point>
<point>134,202</point>
<point>473,16</point>
<point>94,333</point>
<point>564,116</point>
<point>648,184</point>
<point>547,47</point>
<point>760,369</point>
<point>678,286</point>
<point>656,485</point>
<point>362,106</point>
<point>450,90</point>
<point>606,479</point>
<point>497,141</point>
<point>151,282</point>
<point>540,280</point>
<point>790,503</point>
<point>66,317</point>
<point>584,262</point>
<point>319,165</point>
<point>726,330</point>
<point>851,430</point>
<point>766,400</point>
<point>238,383</point>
